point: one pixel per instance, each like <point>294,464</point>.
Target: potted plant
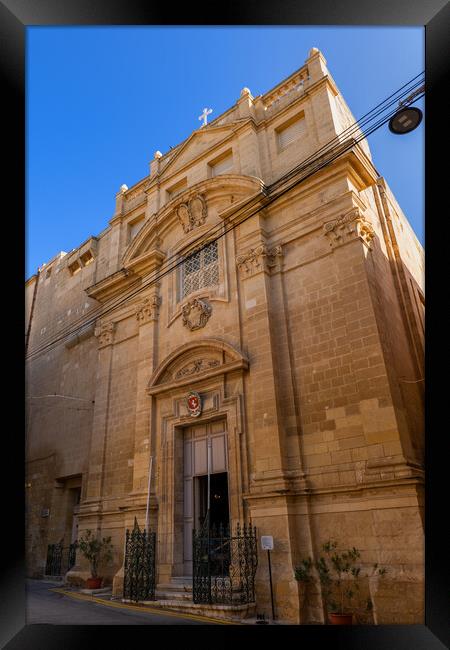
<point>339,576</point>
<point>302,573</point>
<point>97,552</point>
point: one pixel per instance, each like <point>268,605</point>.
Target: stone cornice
<point>112,285</point>
<point>148,262</point>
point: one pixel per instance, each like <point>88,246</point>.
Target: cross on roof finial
<point>206,111</point>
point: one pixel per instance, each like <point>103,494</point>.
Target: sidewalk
<point>105,598</point>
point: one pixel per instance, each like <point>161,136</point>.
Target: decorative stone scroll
<point>105,333</point>
<point>148,309</point>
<point>193,213</point>
<point>350,225</point>
<point>196,314</point>
<point>259,259</point>
<point>199,365</point>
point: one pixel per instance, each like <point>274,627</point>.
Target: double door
<point>197,439</point>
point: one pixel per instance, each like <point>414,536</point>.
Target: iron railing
<point>139,565</point>
<point>60,559</point>
<point>224,565</point>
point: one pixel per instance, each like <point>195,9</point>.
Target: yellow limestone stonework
<point>307,344</point>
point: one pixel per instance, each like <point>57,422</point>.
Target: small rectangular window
<point>75,267</point>
<point>176,189</point>
<point>288,134</point>
<point>86,258</point>
<point>222,166</point>
<point>135,227</point>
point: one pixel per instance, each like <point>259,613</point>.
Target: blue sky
<point>102,100</point>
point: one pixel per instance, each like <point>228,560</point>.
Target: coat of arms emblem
<point>196,314</point>
<point>194,403</point>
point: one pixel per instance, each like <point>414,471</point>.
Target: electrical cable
<point>182,260</point>
<point>266,190</point>
<point>220,226</point>
<point>354,127</point>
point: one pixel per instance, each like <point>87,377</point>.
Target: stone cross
<point>206,111</point>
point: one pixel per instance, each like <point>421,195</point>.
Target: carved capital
<point>196,314</point>
<point>351,225</point>
<point>259,259</point>
<point>105,333</point>
<point>193,213</point>
<point>148,309</point>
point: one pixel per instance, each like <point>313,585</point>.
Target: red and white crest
<point>194,403</point>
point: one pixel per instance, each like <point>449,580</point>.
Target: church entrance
<point>205,451</point>
<point>219,514</point>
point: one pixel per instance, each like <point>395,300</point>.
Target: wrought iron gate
<point>60,559</point>
<point>224,565</point>
<point>139,566</point>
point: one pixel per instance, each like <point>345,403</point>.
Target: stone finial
<point>158,154</point>
<point>313,50</point>
<point>123,188</point>
<point>245,91</point>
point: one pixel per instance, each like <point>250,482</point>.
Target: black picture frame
<point>15,16</point>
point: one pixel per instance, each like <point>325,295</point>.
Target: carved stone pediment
<point>196,314</point>
<point>193,213</point>
<point>349,226</point>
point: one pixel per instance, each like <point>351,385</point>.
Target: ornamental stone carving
<point>351,225</point>
<point>148,309</point>
<point>105,333</point>
<point>193,213</point>
<point>196,314</point>
<point>199,365</point>
<point>259,259</point>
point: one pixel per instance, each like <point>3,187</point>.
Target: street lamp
<point>405,120</point>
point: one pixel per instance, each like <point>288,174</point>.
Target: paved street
<point>47,606</point>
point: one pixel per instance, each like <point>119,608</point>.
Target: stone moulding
<point>198,365</point>
<point>196,314</point>
<point>193,213</point>
<point>105,333</point>
<point>349,226</point>
<point>148,309</point>
<point>258,259</point>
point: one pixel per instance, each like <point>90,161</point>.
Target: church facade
<point>233,321</point>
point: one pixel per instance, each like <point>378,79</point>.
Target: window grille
<point>290,133</point>
<point>201,269</point>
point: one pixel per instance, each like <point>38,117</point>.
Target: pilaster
<point>105,335</point>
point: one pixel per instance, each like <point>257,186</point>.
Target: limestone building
<point>294,310</point>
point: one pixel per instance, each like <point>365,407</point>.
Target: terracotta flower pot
<point>341,619</point>
<point>94,583</point>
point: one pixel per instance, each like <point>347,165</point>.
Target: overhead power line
<point>309,166</point>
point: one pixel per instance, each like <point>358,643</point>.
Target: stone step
<point>232,613</point>
<point>173,595</point>
<point>175,586</point>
